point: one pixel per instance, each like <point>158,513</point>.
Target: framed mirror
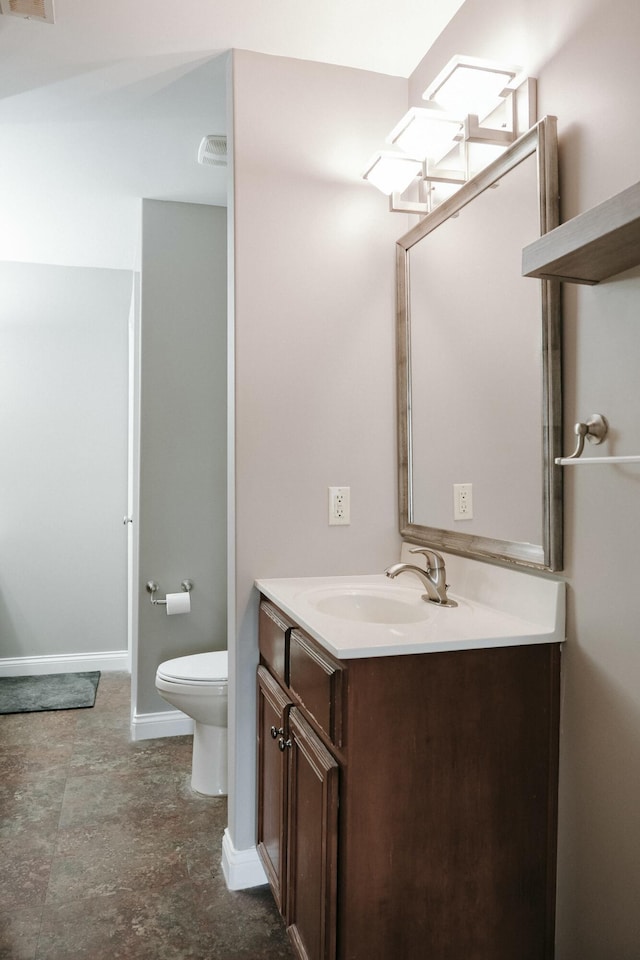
<point>479,367</point>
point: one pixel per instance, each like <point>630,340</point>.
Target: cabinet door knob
<point>276,732</point>
<point>283,744</point>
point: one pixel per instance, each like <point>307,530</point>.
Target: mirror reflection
<point>479,397</point>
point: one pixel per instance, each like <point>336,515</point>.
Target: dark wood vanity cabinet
<point>407,804</point>
<point>273,707</point>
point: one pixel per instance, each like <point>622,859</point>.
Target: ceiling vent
<point>29,9</point>
<point>213,150</point>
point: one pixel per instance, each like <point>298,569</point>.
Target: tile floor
<point>105,852</point>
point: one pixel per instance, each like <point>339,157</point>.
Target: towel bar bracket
<point>594,430</point>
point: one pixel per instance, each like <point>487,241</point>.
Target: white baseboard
<point>241,868</point>
<point>165,723</point>
<point>109,660</point>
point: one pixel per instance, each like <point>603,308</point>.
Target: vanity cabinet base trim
<point>242,869</point>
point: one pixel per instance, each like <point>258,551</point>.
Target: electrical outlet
<point>463,501</point>
<point>339,506</point>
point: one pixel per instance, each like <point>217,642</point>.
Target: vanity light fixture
<point>473,110</point>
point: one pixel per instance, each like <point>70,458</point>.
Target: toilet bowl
<point>197,685</point>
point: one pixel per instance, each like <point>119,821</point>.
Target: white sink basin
<point>369,606</point>
<point>372,616</point>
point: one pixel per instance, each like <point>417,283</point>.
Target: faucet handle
<point>434,559</point>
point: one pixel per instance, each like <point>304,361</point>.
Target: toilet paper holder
<point>153,587</point>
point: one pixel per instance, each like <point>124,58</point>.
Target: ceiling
<point>372,35</point>
<point>109,103</point>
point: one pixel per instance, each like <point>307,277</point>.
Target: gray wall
<point>314,348</point>
<point>63,481</point>
<point>183,462</point>
<point>110,137</point>
<point>292,395</point>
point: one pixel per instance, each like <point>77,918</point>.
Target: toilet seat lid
<point>198,668</point>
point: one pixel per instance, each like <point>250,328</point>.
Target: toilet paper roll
<point>178,603</point>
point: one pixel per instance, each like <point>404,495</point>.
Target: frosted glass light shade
<point>425,133</point>
<point>470,85</point>
<point>392,172</point>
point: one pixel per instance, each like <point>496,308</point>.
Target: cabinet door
<point>312,843</point>
<point>273,707</point>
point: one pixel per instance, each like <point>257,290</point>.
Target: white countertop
<point>470,625</point>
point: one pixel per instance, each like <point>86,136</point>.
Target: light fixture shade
<point>392,172</point>
<point>470,85</point>
<point>426,133</point>
<point>472,111</point>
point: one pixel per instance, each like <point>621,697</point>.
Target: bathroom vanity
<point>407,780</point>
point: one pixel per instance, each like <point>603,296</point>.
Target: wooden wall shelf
<point>593,246</point>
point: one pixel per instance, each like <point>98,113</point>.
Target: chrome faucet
<point>434,577</point>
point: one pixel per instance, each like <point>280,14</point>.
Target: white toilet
<point>197,685</point>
